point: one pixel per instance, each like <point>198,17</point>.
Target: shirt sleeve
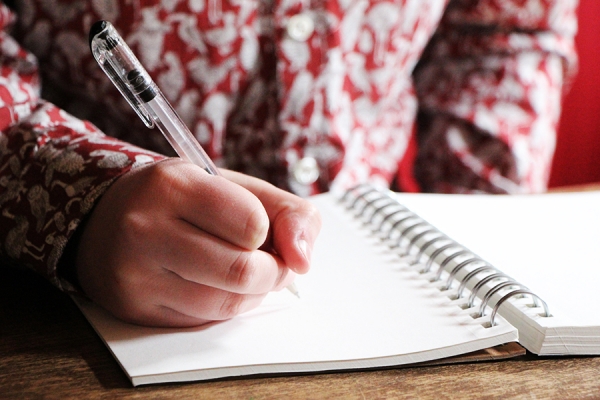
<point>53,167</point>
<point>490,85</point>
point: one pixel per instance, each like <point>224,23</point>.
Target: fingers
<point>200,257</point>
<point>294,235</point>
<point>204,302</point>
<point>171,301</point>
<point>242,217</point>
<point>295,223</point>
<point>193,304</point>
<point>213,204</point>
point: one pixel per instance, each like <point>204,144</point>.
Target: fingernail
<point>303,246</point>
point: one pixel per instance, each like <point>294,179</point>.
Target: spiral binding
<point>424,245</point>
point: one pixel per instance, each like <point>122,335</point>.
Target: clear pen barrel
<point>184,143</point>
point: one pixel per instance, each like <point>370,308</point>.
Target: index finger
<point>213,204</point>
<point>295,222</point>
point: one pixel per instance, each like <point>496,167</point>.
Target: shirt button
<point>306,171</point>
<point>300,27</point>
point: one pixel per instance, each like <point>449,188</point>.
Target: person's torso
<point>294,91</point>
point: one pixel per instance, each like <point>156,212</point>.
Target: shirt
<point>311,95</point>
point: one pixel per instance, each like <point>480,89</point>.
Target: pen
<point>125,71</point>
<point>133,81</point>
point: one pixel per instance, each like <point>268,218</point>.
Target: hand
<point>170,245</point>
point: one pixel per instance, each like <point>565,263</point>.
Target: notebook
<point>399,279</point>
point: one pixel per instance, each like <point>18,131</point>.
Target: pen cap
<point>122,67</point>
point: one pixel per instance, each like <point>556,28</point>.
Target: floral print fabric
<point>311,95</point>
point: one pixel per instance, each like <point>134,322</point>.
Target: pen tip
<point>294,290</point>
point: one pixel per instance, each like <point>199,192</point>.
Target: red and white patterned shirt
<point>311,95</point>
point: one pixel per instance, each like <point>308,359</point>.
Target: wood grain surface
<point>48,350</point>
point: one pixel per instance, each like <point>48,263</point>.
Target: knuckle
<point>257,227</point>
<point>231,306</point>
<point>303,207</point>
<point>132,220</point>
<point>241,272</point>
<point>168,178</point>
<point>164,170</point>
<point>312,213</point>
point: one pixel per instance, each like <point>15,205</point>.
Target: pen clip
<point>103,39</point>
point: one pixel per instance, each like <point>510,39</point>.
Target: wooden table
<point>48,350</point>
